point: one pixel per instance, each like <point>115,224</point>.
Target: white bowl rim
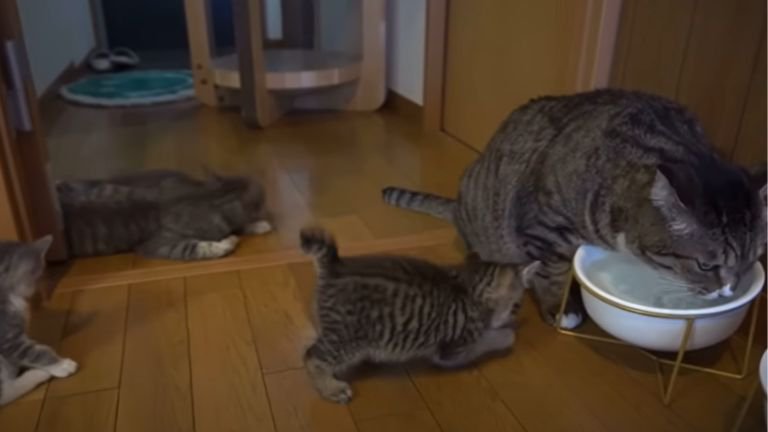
<point>611,299</point>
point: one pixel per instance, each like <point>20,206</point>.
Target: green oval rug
<point>141,87</point>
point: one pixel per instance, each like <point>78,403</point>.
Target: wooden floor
<point>221,350</point>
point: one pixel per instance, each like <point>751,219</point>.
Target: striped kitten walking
<point>394,309</point>
<point>623,170</point>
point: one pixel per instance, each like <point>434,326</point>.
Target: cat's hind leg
<point>188,249</point>
<point>13,389</point>
<point>493,340</point>
<point>323,363</point>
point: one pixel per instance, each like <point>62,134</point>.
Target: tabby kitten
<point>623,170</point>
<point>161,214</point>
<point>24,363</point>
<point>394,309</point>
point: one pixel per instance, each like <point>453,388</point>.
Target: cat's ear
<point>42,244</point>
<point>758,176</point>
<point>529,272</point>
<point>673,196</point>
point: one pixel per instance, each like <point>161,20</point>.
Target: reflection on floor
<point>221,351</point>
<point>325,168</point>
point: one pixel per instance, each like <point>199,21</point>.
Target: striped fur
<point>393,309</point>
<point>152,185</point>
<point>161,214</point>
<point>434,205</point>
<point>619,169</point>
<point>20,267</point>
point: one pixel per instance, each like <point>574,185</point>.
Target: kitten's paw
<point>499,339</point>
<point>35,376</point>
<point>63,368</point>
<point>259,227</point>
<point>336,391</point>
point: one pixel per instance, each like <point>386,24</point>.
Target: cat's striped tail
<point>319,244</point>
<point>423,202</point>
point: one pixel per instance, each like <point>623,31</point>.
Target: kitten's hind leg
<point>188,249</point>
<point>18,387</point>
<point>322,366</point>
<point>492,340</point>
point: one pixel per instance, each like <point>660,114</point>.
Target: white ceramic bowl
<point>620,295</point>
<point>764,371</point>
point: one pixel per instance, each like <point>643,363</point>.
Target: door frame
<point>24,166</point>
<point>597,48</point>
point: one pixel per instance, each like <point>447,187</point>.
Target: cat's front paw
<point>259,227</point>
<point>572,317</point>
<point>336,391</point>
<point>63,368</point>
<point>224,246</point>
<point>571,320</point>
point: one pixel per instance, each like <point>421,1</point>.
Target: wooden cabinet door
<point>501,53</point>
<point>30,208</point>
<point>707,54</point>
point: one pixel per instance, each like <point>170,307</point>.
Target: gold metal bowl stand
<point>668,385</point>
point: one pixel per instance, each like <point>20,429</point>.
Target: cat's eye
<point>703,266</point>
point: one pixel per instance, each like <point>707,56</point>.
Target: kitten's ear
<point>472,258</point>
<point>211,175</point>
<point>672,195</point>
<point>255,189</point>
<point>529,272</point>
<point>42,244</point>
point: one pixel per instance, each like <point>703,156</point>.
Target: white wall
<point>57,33</point>
<point>406,32</point>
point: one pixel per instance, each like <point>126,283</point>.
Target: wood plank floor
<point>222,352</point>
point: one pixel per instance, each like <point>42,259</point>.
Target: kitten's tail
<point>423,202</point>
<point>319,244</point>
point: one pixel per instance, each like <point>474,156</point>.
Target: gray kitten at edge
<point>24,363</point>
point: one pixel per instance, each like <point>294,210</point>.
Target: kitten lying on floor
<point>161,214</point>
<point>20,267</point>
<point>394,309</point>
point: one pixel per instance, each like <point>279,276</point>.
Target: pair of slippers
<point>118,58</point>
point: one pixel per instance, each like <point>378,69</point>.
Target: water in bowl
<point>630,279</point>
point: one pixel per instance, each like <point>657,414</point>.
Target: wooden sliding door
<point>708,55</point>
<point>501,53</point>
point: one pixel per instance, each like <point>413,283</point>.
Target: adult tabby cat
<point>24,363</point>
<point>619,169</point>
<point>163,214</point>
<point>393,309</point>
